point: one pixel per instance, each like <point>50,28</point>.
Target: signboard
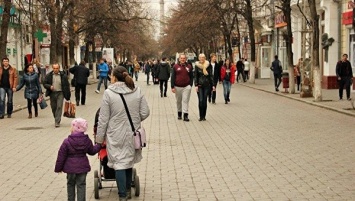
<point>280,20</point>
<point>347,18</point>
<point>108,54</point>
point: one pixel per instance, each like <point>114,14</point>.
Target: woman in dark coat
<point>203,83</point>
<point>33,89</point>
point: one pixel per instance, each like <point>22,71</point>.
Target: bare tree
<point>317,76</point>
<point>286,9</point>
<point>4,28</point>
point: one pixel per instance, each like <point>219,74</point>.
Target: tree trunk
<point>72,37</point>
<point>288,37</point>
<point>53,45</point>
<point>4,29</point>
<point>249,17</point>
<point>317,77</point>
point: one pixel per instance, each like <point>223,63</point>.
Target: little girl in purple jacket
<point>72,158</point>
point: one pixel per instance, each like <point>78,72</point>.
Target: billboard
<point>108,54</point>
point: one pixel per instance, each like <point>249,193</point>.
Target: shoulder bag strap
<point>127,111</point>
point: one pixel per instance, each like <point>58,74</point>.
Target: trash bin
<point>285,80</point>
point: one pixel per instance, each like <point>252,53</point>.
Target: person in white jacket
<point>246,69</point>
<point>115,128</point>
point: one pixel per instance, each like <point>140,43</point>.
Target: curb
<point>303,101</point>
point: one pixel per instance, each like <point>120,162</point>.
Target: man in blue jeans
<point>8,83</point>
<point>103,70</point>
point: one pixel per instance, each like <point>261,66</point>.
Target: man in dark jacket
<point>276,67</point>
<point>147,69</point>
<point>57,85</point>
<point>163,73</point>
<point>216,72</point>
<point>344,73</point>
<point>81,74</point>
<point>240,69</point>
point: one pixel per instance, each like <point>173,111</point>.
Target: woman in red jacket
<point>228,78</point>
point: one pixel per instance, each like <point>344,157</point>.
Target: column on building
<point>329,25</point>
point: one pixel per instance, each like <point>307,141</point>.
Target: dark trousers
<point>246,74</point>
<point>165,82</point>
<point>147,78</point>
<point>212,95</point>
<point>57,99</point>
<point>123,180</point>
<point>202,100</point>
<point>298,79</point>
<point>80,88</point>
<point>240,72</point>
<point>277,80</point>
<point>78,181</point>
<point>344,82</point>
<point>29,105</point>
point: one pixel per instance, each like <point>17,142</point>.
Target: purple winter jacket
<point>72,156</point>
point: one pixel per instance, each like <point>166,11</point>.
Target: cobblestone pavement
<point>259,147</point>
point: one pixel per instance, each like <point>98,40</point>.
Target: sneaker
<point>340,99</point>
<point>56,125</point>
<point>349,99</point>
<point>9,116</point>
<point>97,91</point>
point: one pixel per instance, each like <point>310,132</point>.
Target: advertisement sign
<point>108,54</point>
<point>280,20</point>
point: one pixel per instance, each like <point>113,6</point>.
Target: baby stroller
<point>106,173</point>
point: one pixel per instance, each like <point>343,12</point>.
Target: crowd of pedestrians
<point>114,130</point>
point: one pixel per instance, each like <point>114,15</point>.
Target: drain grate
<point>29,128</point>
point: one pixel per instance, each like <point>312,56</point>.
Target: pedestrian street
<point>260,146</point>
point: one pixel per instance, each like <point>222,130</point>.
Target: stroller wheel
<point>137,186</point>
<point>134,174</point>
<point>96,188</point>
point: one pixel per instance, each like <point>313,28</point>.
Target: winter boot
<point>186,117</point>
<point>179,115</point>
<point>123,199</point>
<point>129,194</point>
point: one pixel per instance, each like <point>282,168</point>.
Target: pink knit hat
<point>79,125</point>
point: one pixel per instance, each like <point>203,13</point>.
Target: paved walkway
<point>330,96</point>
<point>259,147</point>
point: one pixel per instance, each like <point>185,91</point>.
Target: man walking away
<point>8,83</point>
<point>344,73</point>
<point>246,69</point>
<point>240,69</point>
<point>276,67</point>
<point>81,74</point>
<point>163,73</point>
<point>57,85</point>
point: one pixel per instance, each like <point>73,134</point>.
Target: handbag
<point>140,139</point>
<point>69,109</point>
<point>42,102</point>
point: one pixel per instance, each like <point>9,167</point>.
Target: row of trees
<point>123,25</point>
<point>197,25</point>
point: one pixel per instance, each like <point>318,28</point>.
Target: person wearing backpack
<point>276,67</point>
